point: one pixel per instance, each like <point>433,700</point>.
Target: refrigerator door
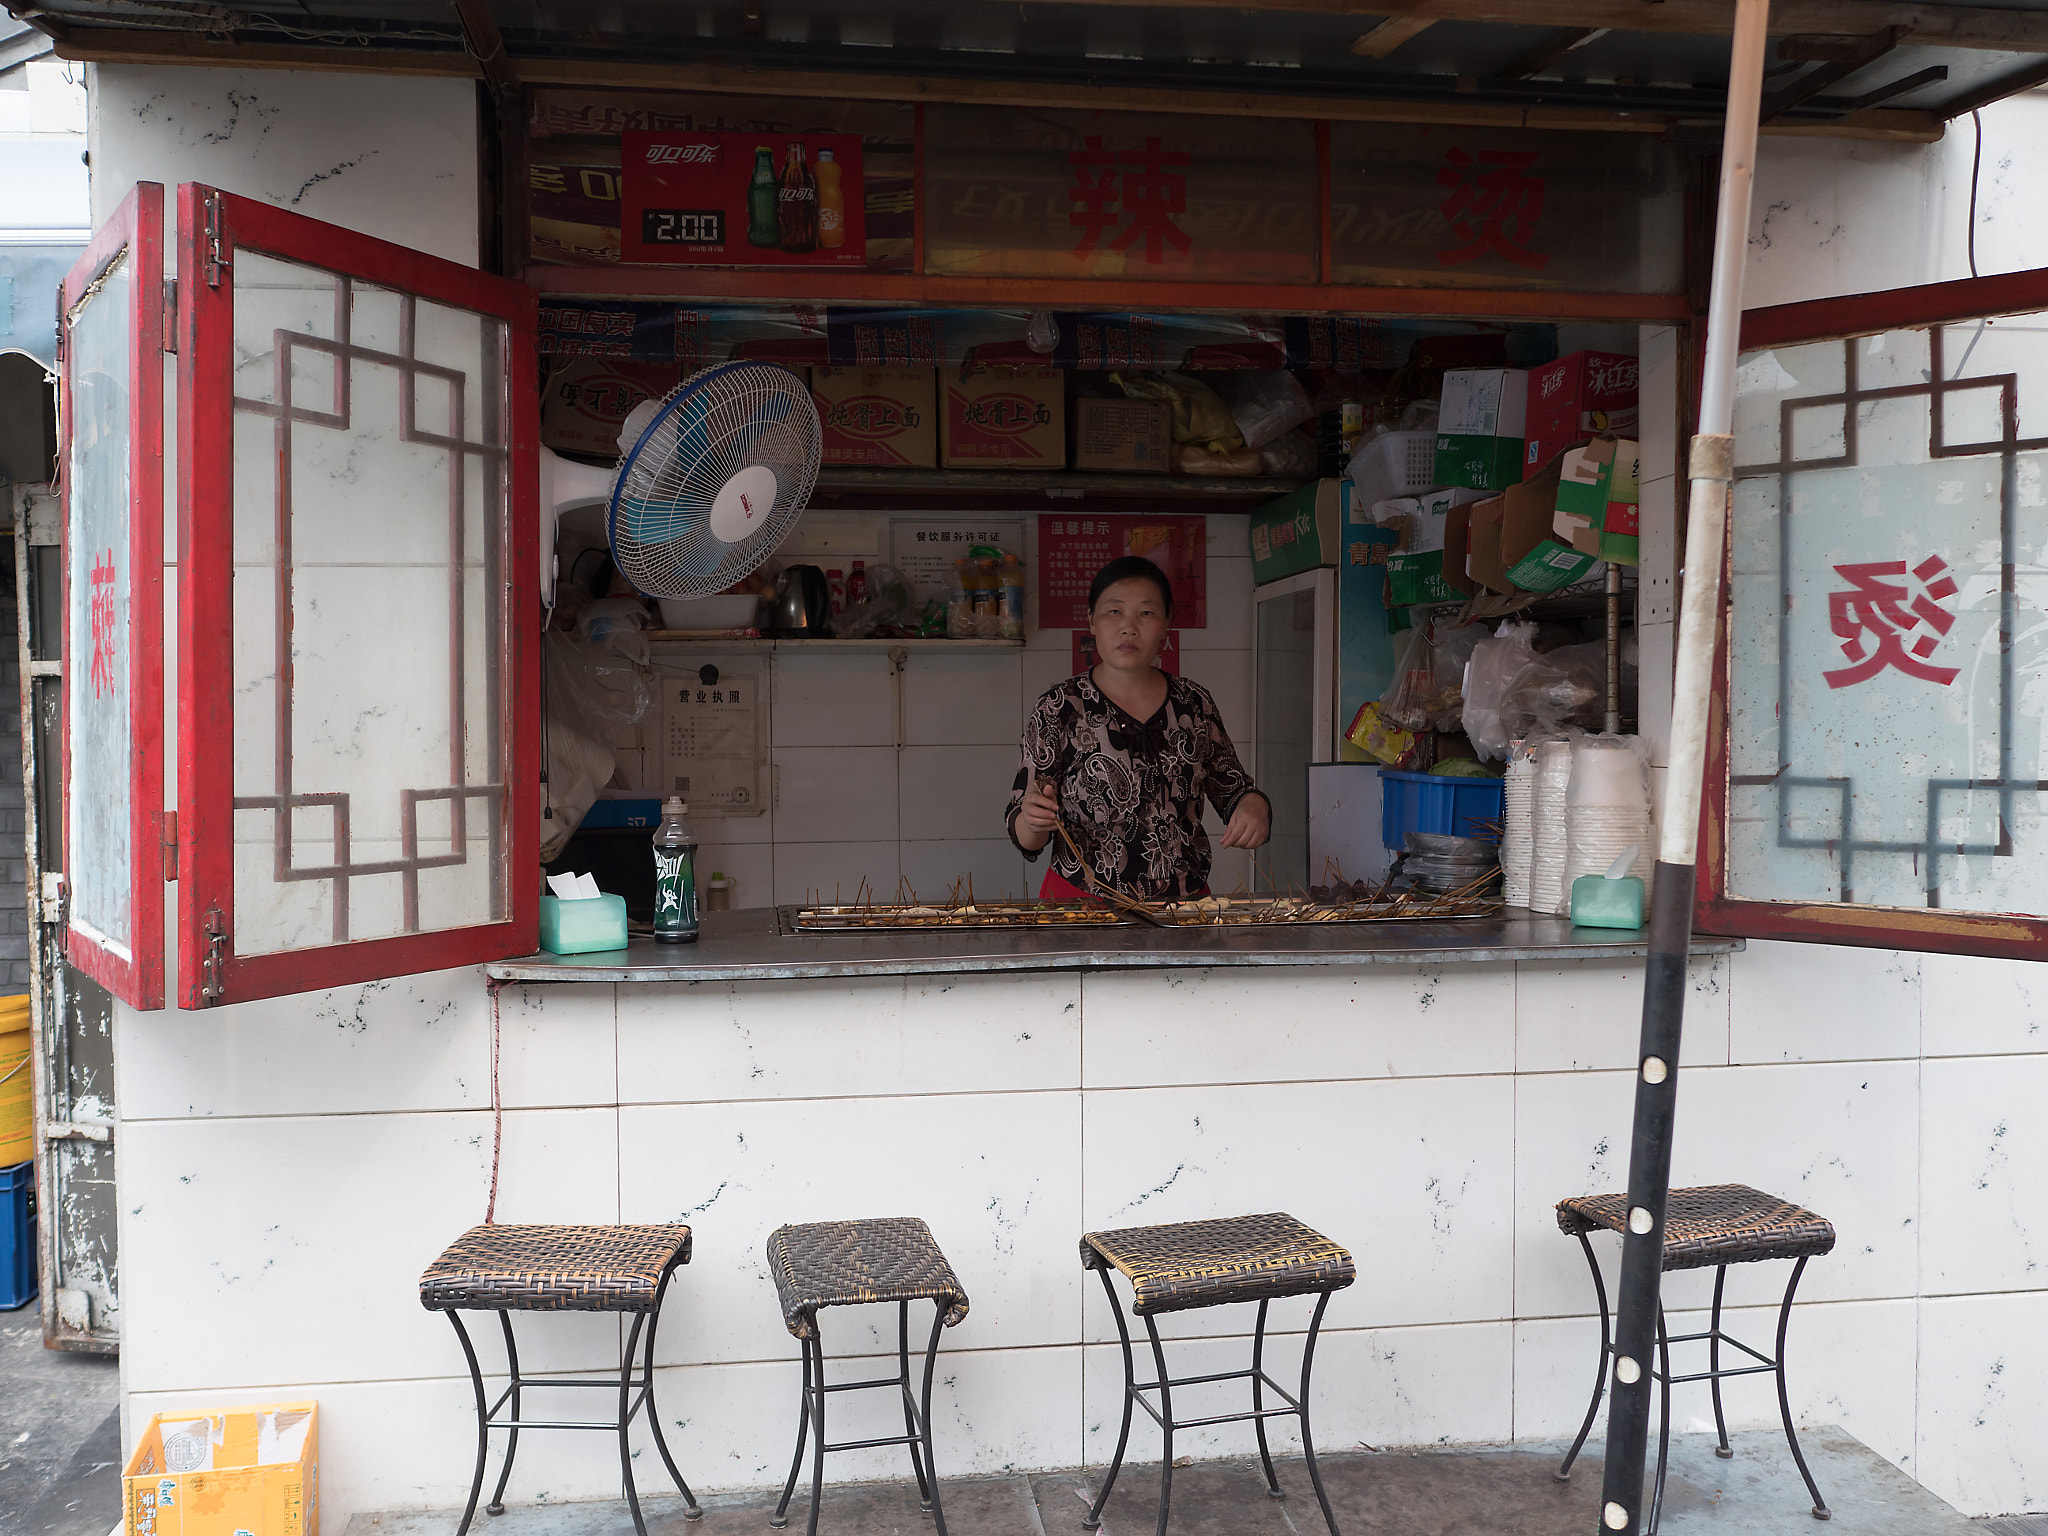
<point>1294,696</point>
<point>1344,823</point>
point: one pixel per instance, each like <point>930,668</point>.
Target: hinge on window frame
<point>210,989</point>
<point>170,325</point>
<point>216,264</point>
<point>170,845</point>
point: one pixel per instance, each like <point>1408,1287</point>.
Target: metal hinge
<point>170,845</point>
<point>210,989</point>
<point>50,900</point>
<point>170,326</point>
<point>217,264</point>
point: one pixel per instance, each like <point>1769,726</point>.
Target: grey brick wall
<point>15,970</point>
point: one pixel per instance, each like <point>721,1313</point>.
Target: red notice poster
<point>742,199</point>
<point>1072,549</point>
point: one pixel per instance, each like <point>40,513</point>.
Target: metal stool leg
<point>654,1413</point>
<point>1259,1403</point>
<point>1820,1505</point>
<point>1564,1472</point>
<point>818,1444</point>
<point>1094,1516</point>
<point>1663,1423</point>
<point>803,1427</point>
<point>1308,1439</point>
<point>1165,1424</point>
<point>483,1421</point>
<point>1724,1450</point>
<point>924,1493</point>
<point>626,1422</point>
<point>497,1504</point>
<point>924,1414</point>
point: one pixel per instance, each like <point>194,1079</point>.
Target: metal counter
<point>751,945</point>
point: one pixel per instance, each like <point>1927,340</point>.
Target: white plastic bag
<point>1488,677</point>
<point>1268,404</point>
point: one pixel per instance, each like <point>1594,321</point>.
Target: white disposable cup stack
<point>1608,812</point>
<point>1518,831</point>
<point>1549,826</point>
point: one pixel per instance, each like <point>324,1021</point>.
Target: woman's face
<point>1129,624</point>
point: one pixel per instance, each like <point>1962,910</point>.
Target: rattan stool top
<point>554,1269</point>
<point>1712,1224</point>
<point>847,1263</point>
<point>1208,1263</point>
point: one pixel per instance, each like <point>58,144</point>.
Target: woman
<point>1123,755</point>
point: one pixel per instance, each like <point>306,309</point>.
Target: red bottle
<point>857,584</point>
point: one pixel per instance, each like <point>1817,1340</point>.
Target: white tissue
<point>574,887</point>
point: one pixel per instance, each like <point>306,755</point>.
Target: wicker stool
<point>1192,1264</point>
<point>849,1263</point>
<point>1717,1224</point>
<point>560,1269</point>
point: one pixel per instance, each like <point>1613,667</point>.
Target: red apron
<point>1056,887</point>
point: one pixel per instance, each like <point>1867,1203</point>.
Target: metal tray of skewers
<point>907,916</point>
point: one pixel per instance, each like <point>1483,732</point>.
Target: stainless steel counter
<point>750,945</point>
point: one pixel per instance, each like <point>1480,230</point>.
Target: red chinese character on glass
<point>1493,206</point>
<point>101,614</point>
<point>1875,618</point>
<point>1093,196</point>
<point>1153,194</point>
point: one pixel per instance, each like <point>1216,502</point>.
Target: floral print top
<point>1131,791</point>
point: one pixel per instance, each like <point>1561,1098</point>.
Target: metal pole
<point>1711,472</point>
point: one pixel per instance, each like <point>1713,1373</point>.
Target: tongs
<point>1115,898</point>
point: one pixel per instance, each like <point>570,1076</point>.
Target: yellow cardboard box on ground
<point>230,1472</point>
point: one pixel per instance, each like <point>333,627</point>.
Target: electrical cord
<point>1976,165</point>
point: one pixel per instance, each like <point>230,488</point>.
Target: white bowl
<point>709,612</point>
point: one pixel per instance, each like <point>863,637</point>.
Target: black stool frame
<point>1134,1391</point>
<point>1661,1373</point>
<point>630,1403</point>
<point>917,1418</point>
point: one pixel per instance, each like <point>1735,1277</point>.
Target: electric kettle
<point>803,604</point>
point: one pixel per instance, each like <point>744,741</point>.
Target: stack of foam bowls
<point>1608,810</point>
<point>1548,828</point>
<point>1518,830</point>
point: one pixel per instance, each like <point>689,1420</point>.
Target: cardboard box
<point>1300,531</point>
<point>1415,565</point>
<point>231,1471</point>
<point>1523,553</point>
<point>588,399</point>
<point>1457,561</point>
<point>1599,500</point>
<point>1483,556</point>
<point>1579,396</point>
<point>1479,432</point>
<point>880,418</point>
<point>1003,418</point>
<point>1127,436</point>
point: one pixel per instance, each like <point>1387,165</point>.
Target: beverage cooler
<point>1321,650</point>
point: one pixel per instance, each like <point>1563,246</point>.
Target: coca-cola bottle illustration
<point>796,205</point>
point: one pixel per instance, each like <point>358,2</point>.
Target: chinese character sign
<point>1876,615</point>
<point>1493,207</point>
<point>1072,549</point>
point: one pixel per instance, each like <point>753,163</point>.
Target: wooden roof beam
<point>1846,62</point>
<point>1546,53</point>
<point>486,45</point>
<point>1389,35</point>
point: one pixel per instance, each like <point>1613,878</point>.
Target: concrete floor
<point>60,1435</point>
<point>1466,1492</point>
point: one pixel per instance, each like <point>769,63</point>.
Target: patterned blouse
<point>1130,791</point>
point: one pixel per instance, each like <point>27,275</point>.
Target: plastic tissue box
<point>578,927</point>
<point>1601,902</point>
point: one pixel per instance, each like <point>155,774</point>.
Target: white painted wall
<point>288,1168</point>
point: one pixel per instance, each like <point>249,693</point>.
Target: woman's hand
<point>1250,824</point>
<point>1037,814</point>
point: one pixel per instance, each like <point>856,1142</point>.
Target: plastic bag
<point>1564,687</point>
<point>1289,456</point>
<point>615,624</point>
<point>1428,691</point>
<point>1267,405</point>
<point>590,691</point>
<point>889,602</point>
<point>1199,414</point>
<point>1194,459</point>
<point>1493,668</point>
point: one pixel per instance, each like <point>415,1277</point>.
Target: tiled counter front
<point>288,1169</point>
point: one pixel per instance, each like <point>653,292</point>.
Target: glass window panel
<point>1887,638</point>
<point>1286,692</point>
<point>369,614</point>
<point>100,360</point>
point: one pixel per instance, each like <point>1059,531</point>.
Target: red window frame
<point>213,227</point>
<point>2016,936</point>
<point>137,228</point>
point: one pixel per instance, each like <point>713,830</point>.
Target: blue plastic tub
<point>17,1235</point>
<point>1428,802</point>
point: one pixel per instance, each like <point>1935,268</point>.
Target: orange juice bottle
<point>831,202</point>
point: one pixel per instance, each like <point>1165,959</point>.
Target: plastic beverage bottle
<point>857,582</point>
<point>988,600</point>
<point>797,204</point>
<point>1012,575</point>
<point>675,876</point>
<point>831,202</point>
<point>960,604</point>
<point>763,226</point>
<point>835,588</point>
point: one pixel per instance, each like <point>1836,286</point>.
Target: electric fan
<point>713,478</point>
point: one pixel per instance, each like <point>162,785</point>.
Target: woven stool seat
<point>1712,1224</point>
<point>1186,1264</point>
<point>554,1269</point>
<point>849,1263</point>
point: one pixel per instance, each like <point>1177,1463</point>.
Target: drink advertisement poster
<point>1072,549</point>
<point>742,200</point>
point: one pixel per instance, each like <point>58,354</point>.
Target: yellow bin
<point>17,1093</point>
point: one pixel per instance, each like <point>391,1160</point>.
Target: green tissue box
<point>578,927</point>
<point>1598,902</point>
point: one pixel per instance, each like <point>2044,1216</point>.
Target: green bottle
<point>763,227</point>
<point>675,876</point>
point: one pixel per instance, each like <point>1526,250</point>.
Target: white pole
<point>1711,472</point>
